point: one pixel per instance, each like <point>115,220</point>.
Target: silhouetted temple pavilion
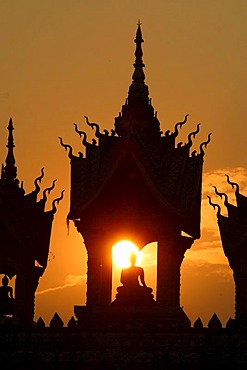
<point>25,230</point>
<point>233,233</point>
<point>136,184</point>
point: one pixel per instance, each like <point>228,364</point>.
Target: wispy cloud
<point>220,271</point>
<point>70,280</point>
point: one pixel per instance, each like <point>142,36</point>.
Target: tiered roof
<point>172,174</point>
<point>25,226</point>
<point>233,227</point>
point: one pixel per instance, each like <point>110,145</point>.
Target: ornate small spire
<point>10,170</point>
<point>138,75</point>
<point>9,183</point>
<point>138,91</point>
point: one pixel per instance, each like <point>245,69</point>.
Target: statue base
<point>131,319</point>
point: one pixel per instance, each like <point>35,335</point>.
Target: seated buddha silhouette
<point>6,297</point>
<point>132,293</point>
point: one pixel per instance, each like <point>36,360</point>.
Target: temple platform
<point>131,318</point>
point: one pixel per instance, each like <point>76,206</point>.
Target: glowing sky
<point>61,60</point>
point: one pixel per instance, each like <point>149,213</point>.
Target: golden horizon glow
<point>121,252</point>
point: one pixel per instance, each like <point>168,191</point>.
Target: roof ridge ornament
<point>233,184</point>
<point>10,171</point>
<point>138,90</point>
<point>179,124</point>
<point>214,205</point>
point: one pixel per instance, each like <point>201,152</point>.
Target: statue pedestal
<point>131,319</point>
<point>137,296</point>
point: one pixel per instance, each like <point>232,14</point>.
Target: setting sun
<point>121,252</point>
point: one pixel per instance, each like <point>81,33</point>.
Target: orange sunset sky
<point>63,59</point>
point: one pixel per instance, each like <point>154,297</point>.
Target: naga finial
<point>193,134</point>
<point>38,179</point>
<point>56,201</point>
<point>204,144</point>
<point>48,190</point>
<point>78,131</point>
<point>233,184</point>
<point>180,124</point>
<point>221,195</point>
<point>66,146</point>
<point>84,140</point>
<point>214,205</point>
<point>92,125</point>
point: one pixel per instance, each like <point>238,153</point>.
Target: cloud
<point>70,280</point>
<point>216,271</point>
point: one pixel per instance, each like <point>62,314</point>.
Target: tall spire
<point>138,113</point>
<point>9,183</point>
<point>10,168</point>
<point>138,75</point>
<point>138,91</point>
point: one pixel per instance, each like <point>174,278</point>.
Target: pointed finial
<point>9,171</point>
<point>10,160</point>
<point>138,91</point>
<point>138,74</point>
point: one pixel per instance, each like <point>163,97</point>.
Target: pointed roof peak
<point>138,75</point>
<point>9,179</point>
<point>10,159</point>
<point>138,91</point>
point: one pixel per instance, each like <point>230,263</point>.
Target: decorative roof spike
<point>38,180</point>
<point>214,205</point>
<point>56,201</point>
<point>233,184</point>
<point>193,134</point>
<point>204,144</point>
<point>138,75</point>
<point>221,195</point>
<point>138,91</point>
<point>92,125</point>
<point>48,190</point>
<point>180,124</point>
<point>10,170</point>
<point>66,146</point>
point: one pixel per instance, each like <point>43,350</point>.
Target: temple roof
<point>25,226</point>
<point>170,171</point>
<point>233,227</point>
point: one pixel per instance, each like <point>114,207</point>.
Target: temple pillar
<point>171,249</point>
<point>25,286</point>
<point>165,271</point>
<point>99,270</point>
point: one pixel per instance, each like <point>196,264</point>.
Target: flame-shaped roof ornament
<point>66,146</point>
<point>221,195</point>
<point>233,184</point>
<point>214,205</point>
<point>204,144</point>
<point>179,124</point>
